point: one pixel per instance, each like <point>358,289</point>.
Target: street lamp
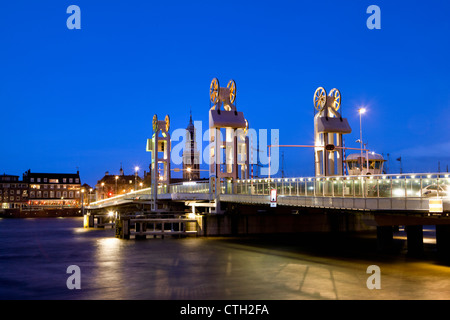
<point>361,111</point>
<point>103,190</point>
<point>90,190</point>
<point>82,202</point>
<point>117,177</point>
<point>135,178</point>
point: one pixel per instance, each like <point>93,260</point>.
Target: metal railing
<point>411,185</point>
<point>423,185</point>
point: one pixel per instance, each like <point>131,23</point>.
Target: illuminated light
<point>286,179</point>
<point>110,213</point>
<point>362,110</point>
<point>293,179</point>
<point>301,179</point>
<point>429,176</point>
<point>279,180</point>
<point>413,176</point>
<point>191,215</point>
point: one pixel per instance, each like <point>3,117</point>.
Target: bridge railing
<point>370,186</point>
<point>190,187</point>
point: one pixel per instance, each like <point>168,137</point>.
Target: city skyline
<point>85,98</point>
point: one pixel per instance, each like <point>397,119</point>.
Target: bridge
<point>413,193</point>
<point>230,202</point>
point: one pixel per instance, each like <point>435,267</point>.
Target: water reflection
<point>34,266</point>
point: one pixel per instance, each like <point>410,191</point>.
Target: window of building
<point>77,180</point>
<point>11,198</point>
<point>39,194</point>
<point>45,194</point>
<point>31,179</point>
<point>11,191</point>
<point>65,194</point>
<point>45,180</point>
<point>18,192</point>
<point>64,180</point>
<point>70,194</point>
<point>52,194</point>
<point>58,194</point>
<point>54,181</point>
<point>70,180</point>
<point>18,198</point>
<point>38,179</point>
<point>32,194</point>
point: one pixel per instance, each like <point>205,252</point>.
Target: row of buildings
<point>38,190</point>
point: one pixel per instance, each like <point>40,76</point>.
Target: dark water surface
<point>35,255</point>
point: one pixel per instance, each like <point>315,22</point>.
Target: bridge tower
<point>234,148</point>
<point>329,128</point>
<point>159,146</point>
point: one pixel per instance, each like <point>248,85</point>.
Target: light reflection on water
<point>33,265</point>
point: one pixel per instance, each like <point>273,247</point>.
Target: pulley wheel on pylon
<point>232,87</point>
<point>167,123</point>
<point>337,98</point>
<point>320,98</point>
<point>155,123</point>
<point>214,91</point>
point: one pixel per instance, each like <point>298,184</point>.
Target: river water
<point>36,253</point>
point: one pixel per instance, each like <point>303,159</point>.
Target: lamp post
<point>135,178</point>
<point>103,191</point>
<point>117,177</point>
<point>361,111</point>
<point>90,190</point>
<point>82,202</point>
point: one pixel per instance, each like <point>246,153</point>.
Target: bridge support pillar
<point>88,221</point>
<point>443,240</point>
<point>385,238</point>
<point>414,239</point>
<point>122,228</point>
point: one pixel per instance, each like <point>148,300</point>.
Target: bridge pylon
<point>226,155</point>
<point>329,128</point>
<point>160,147</point>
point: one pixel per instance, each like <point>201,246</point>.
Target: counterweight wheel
<point>214,91</point>
<point>167,119</point>
<point>337,98</point>
<point>232,87</point>
<point>320,98</point>
<point>155,123</point>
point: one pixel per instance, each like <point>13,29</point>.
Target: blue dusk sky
<point>85,98</point>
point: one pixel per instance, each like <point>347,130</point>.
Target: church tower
<point>191,156</point>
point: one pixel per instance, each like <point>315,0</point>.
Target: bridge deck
<point>410,192</point>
